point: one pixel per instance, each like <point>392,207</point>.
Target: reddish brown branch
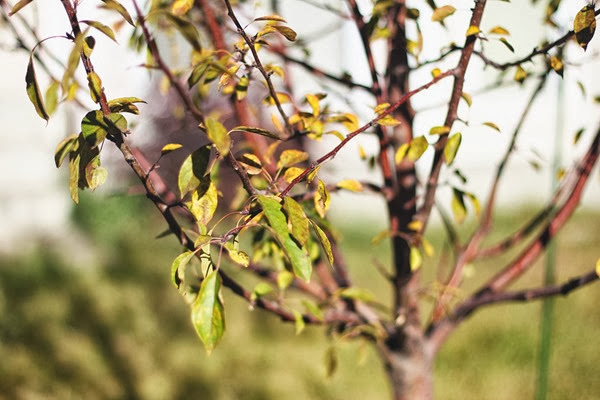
<point>360,130</point>
<point>459,79</point>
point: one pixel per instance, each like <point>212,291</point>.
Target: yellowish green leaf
<point>102,28</point>
<point>467,98</point>
<point>217,134</point>
<point>291,157</point>
<point>95,85</point>
<point>236,255</point>
<point>492,125</point>
<point>417,147</point>
<point>439,130</point>
<point>116,6</point>
<point>458,206</point>
<point>208,314</point>
<point>351,185</point>
<point>33,90</point>
<point>451,147</point>
<point>297,219</point>
<point>192,170</point>
<point>415,259</point>
<point>441,13</point>
<point>324,240</point>
<point>322,199</point>
<point>507,44</point>
<point>286,31</point>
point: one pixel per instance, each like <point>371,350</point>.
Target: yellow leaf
<point>467,98</point>
<point>322,199</point>
<point>440,13</point>
<point>170,147</point>
<point>416,259</point>
<point>439,130</point>
<point>492,125</point>
<point>180,7</point>
<point>415,225</point>
<point>557,65</point>
<point>361,152</point>
<point>436,72</point>
<point>473,30</point>
<point>401,153</point>
<point>292,173</point>
<point>350,184</point>
<point>520,74</point>
<point>314,104</point>
<point>499,30</point>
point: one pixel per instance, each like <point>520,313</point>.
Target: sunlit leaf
<point>291,157</point>
<point>192,170</point>
<point>350,184</point>
<point>314,104</point>
<point>415,225</point>
<point>357,294</point>
<point>116,6</point>
<point>416,258</point>
<point>18,6</point>
<point>95,85</point>
<point>297,219</point>
<point>439,130</point>
<point>440,13</point>
<point>292,173</point>
<point>473,30</point>
<point>324,240</point>
<point>33,90</point>
<point>584,25</point>
<point>598,267</point>
<point>237,256</point>
<point>178,267</point>
<point>322,199</point>
<point>499,30</point>
<point>451,147</point>
<point>208,314</point>
<point>401,153</point>
<point>64,148</point>
<point>107,30</point>
<point>284,279</point>
<point>417,147</point>
<point>217,134</point>
<point>181,7</point>
<point>74,177</point>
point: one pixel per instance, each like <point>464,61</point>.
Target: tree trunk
<point>408,364</point>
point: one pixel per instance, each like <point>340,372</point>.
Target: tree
<point>254,172</point>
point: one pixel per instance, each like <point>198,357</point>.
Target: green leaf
<point>116,6</point>
<point>204,201</point>
<point>313,309</point>
<point>258,131</point>
<point>458,206</point>
<point>322,199</point>
<point>300,324</point>
<point>357,294</point>
<point>286,31</point>
<point>298,257</point>
<point>187,30</point>
<point>95,85</point>
<point>168,148</point>
<point>218,135</point>
<point>297,219</point>
<point>451,147</point>
<point>417,147</point>
<point>33,90</point>
<point>102,28</point>
<point>440,13</point>
<point>208,314</point>
<point>52,97</point>
<point>178,267</point>
<point>284,279</point>
<point>291,157</point>
<point>193,170</point>
<point>261,289</point>
<point>324,240</point>
<point>18,6</point>
<point>64,148</point>
<point>584,25</point>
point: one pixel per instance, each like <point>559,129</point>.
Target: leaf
<point>598,267</point>
<point>193,170</point>
<point>74,177</point>
<point>261,289</point>
<point>298,257</point>
<point>272,17</point>
<point>577,135</point>
<point>187,30</point>
<point>291,157</point>
<point>167,148</point>
<point>286,31</point>
<point>314,104</point>
<point>331,361</point>
<point>95,126</point>
<point>204,201</point>
<point>507,44</point>
<point>181,7</point>
<point>297,220</point>
<point>51,97</point>
<point>415,258</point>
<point>492,125</point>
<point>241,88</point>
<point>208,314</point>
<point>401,153</point>
<point>178,267</point>
<point>351,185</point>
<point>102,28</point>
<point>322,199</point>
<point>95,85</point>
<point>458,206</point>
<point>473,30</point>
<point>259,131</point>
<point>96,177</point>
<point>557,65</point>
<point>116,6</point>
<point>284,279</point>
<point>451,147</point>
<point>440,13</point>
<point>217,134</point>
<point>520,74</point>
<point>313,309</point>
<point>357,293</point>
<point>467,98</point>
<point>417,147</point>
<point>584,25</point>
<point>33,90</point>
<point>18,6</point>
<point>292,173</point>
<point>499,30</point>
<point>388,120</point>
<point>124,104</point>
<point>436,72</point>
<point>300,324</point>
<point>439,130</point>
<point>415,225</point>
<point>64,148</point>
<point>237,256</point>
<point>324,242</point>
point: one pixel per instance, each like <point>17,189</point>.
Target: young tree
<point>251,197</point>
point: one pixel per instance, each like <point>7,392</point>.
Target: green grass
<point>99,319</point>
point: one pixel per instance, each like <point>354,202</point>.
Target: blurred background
<point>86,306</point>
